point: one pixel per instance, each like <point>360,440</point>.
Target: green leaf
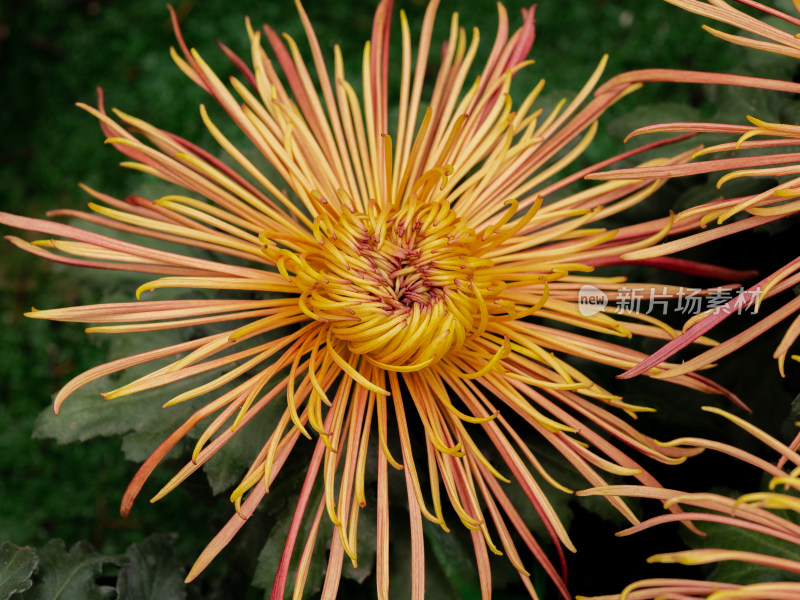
<point>367,540</point>
<point>140,416</point>
<point>86,414</point>
<point>226,468</point>
<point>794,411</point>
<point>719,535</point>
<point>270,555</point>
<point>16,567</point>
<point>437,583</point>
<point>649,114</point>
<point>138,445</point>
<point>150,572</point>
<point>744,186</point>
<point>367,532</point>
<point>69,575</point>
<point>458,565</point>
<point>554,463</point>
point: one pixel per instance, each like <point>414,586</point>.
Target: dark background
<point>54,53</point>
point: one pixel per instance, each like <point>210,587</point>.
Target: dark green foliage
<point>146,571</point>
<point>730,538</point>
<point>54,53</point>
<point>70,575</point>
<point>149,571</point>
<point>16,567</point>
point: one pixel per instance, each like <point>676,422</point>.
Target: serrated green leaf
<point>72,575</point>
<point>150,572</point>
<point>16,567</point>
<point>86,414</point>
<point>89,415</point>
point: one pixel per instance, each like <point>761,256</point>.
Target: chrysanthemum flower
<point>396,281</point>
<point>769,515</point>
<point>757,149</point>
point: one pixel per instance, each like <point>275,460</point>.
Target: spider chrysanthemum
<point>397,283</point>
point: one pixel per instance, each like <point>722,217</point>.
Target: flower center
<point>401,286</point>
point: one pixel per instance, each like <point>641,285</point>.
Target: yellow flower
<point>395,276</point>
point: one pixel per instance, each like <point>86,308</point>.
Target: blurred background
<point>54,53</point>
